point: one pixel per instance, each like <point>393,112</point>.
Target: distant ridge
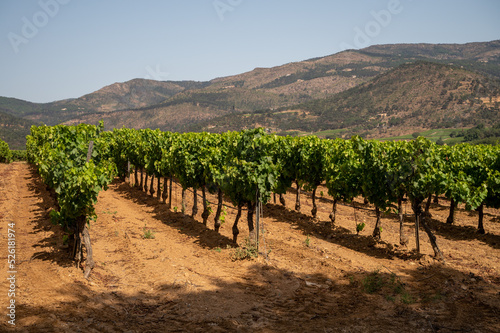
<point>13,130</point>
<point>412,85</point>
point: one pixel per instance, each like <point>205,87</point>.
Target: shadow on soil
<point>185,224</point>
<point>428,299</point>
<point>440,228</point>
<point>51,247</point>
<point>208,238</point>
<point>457,232</point>
<point>338,235</point>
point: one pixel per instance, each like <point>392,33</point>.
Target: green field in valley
<point>433,135</point>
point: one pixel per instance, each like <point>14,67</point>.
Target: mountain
<point>235,97</point>
<point>13,130</point>
<point>419,95</point>
<point>373,90</point>
<point>480,57</point>
<point>262,88</point>
<point>357,66</point>
<point>132,94</point>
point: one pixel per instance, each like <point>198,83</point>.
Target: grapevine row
<point>60,154</point>
<point>250,165</point>
<point>241,164</point>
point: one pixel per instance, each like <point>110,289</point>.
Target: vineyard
<point>356,208</point>
<point>248,166</point>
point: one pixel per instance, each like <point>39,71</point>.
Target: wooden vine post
<point>83,233</point>
<point>257,220</point>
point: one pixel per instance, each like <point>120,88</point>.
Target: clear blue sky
<point>57,49</point>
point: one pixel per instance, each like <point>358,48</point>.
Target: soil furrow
<point>160,271</point>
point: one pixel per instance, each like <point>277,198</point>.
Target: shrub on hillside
<point>18,155</point>
<point>5,154</point>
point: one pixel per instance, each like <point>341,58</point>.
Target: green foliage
<point>376,172</point>
<point>427,172</point>
<point>245,163</point>
<point>249,167</point>
<point>361,226</point>
<point>60,153</point>
<point>247,251</point>
<point>5,153</point>
<point>480,134</point>
<point>148,233</point>
<point>310,166</point>
<point>285,155</point>
<point>14,130</point>
<point>470,173</point>
<point>189,159</point>
<point>390,285</point>
<point>342,169</point>
<point>373,282</point>
<point>222,218</point>
<point>18,155</point>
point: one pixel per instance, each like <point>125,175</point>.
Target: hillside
<point>260,89</point>
<point>346,90</point>
<point>173,118</point>
<point>420,94</point>
<point>18,108</point>
<point>13,130</point>
<point>252,98</point>
<point>480,57</point>
<point>308,277</point>
<point>311,78</point>
<point>192,107</point>
<point>361,65</point>
<point>415,95</point>
<point>132,94</point>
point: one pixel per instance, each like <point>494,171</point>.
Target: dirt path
<point>184,280</point>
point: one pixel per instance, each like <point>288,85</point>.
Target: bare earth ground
<point>184,280</point>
